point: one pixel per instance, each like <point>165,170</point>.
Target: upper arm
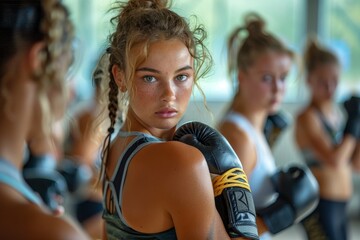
<point>190,196</point>
<point>242,145</point>
<point>39,224</point>
<point>86,139</point>
<point>104,235</point>
<point>311,135</point>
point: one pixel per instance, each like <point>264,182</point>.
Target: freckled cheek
<point>282,87</point>
<point>144,93</point>
<point>184,93</point>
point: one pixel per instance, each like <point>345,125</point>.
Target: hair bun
<point>147,4</point>
<point>254,24</point>
<point>140,5</point>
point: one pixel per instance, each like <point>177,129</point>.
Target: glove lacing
<point>234,177</point>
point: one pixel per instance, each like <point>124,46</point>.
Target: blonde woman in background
<point>327,143</point>
<point>260,63</point>
<point>35,39</point>
<point>83,147</point>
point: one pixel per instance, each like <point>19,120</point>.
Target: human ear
<point>119,78</point>
<point>34,56</point>
<point>240,77</point>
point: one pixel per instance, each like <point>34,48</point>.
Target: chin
<point>165,125</point>
<point>274,108</point>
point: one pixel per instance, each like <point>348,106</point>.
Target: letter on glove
<point>233,196</point>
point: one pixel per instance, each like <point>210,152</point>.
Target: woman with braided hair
<point>154,187</point>
<point>259,63</point>
<point>83,146</point>
<point>35,40</point>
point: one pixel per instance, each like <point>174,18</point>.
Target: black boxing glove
<point>76,175</point>
<point>51,186</point>
<point>298,196</point>
<point>40,174</point>
<point>275,124</point>
<point>233,196</point>
<point>352,108</point>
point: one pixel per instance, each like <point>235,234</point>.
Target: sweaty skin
<point>262,87</point>
<point>162,87</point>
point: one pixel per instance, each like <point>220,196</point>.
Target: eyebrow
<point>146,69</point>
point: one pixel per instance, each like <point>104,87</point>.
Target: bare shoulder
<point>309,131</point>
<point>62,227</point>
<point>235,135</point>
<point>306,116</point>
<point>242,144</point>
<point>172,154</point>
<point>36,223</point>
<point>171,164</point>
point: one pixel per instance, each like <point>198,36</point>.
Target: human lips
<point>166,112</point>
<point>275,101</point>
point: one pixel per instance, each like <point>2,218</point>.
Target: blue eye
<point>149,79</point>
<point>283,78</point>
<point>267,78</point>
<point>182,78</point>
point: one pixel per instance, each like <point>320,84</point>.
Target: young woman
<point>155,188</point>
<point>42,154</point>
<point>35,53</point>
<point>82,146</point>
<point>327,147</point>
<point>260,63</point>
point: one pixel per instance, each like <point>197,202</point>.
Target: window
<point>221,17</point>
<point>92,27</point>
<point>338,26</point>
<point>341,33</point>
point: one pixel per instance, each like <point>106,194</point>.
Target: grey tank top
<point>335,135</point>
<point>11,176</point>
<point>115,223</point>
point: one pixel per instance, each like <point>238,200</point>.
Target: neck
<point>15,123</point>
<point>323,106</point>
<point>255,116</point>
<point>133,124</point>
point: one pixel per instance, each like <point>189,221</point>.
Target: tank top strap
<point>335,134</point>
<point>240,121</point>
<point>116,183</point>
<point>11,176</point>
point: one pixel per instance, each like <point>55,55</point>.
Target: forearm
<point>104,235</point>
<point>356,157</point>
<point>262,228</point>
<point>343,151</point>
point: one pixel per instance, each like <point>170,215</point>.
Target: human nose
<point>168,91</point>
<point>330,86</point>
<point>278,85</point>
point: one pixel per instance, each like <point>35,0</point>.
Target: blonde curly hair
<point>26,22</point>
